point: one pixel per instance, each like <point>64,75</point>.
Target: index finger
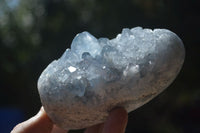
<point>39,123</point>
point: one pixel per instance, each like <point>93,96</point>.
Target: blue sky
<point>12,3</point>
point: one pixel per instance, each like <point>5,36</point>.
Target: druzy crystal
<point>95,75</point>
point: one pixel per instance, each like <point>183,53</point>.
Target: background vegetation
<point>35,32</point>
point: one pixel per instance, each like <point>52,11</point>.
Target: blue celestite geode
<point>95,75</point>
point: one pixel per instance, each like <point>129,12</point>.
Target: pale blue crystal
<point>85,42</point>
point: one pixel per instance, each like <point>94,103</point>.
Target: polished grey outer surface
<point>96,75</point>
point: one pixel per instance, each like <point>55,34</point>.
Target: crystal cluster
<point>95,75</point>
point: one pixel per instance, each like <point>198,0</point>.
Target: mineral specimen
<point>95,75</point>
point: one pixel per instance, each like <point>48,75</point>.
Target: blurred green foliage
<point>35,32</point>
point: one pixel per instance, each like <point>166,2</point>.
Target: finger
<point>56,129</point>
<point>40,123</point>
<point>95,129</point>
<point>116,122</point>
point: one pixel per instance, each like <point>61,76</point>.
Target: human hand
<point>41,123</point>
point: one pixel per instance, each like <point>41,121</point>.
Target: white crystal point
<point>96,75</point>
